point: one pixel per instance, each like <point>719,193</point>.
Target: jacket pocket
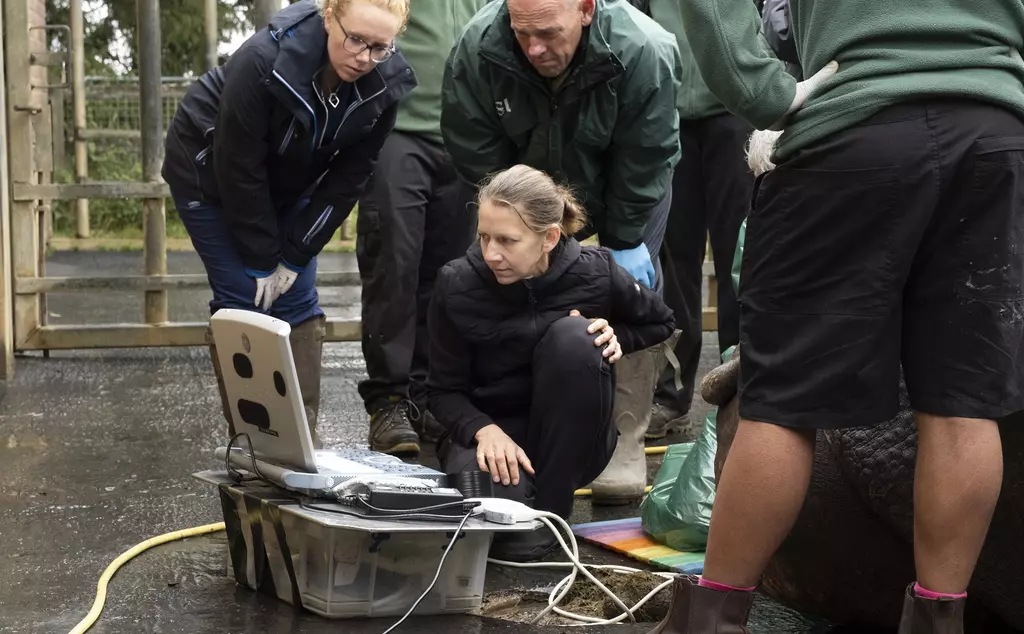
<point>318,225</point>
<point>203,154</point>
<point>989,262</point>
<point>820,242</point>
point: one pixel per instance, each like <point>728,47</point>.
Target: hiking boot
<point>666,420</point>
<point>931,616</point>
<point>391,431</point>
<point>699,610</point>
<point>427,427</point>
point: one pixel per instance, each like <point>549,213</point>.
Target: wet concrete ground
<point>98,449</point>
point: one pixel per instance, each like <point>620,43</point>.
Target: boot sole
<point>400,448</point>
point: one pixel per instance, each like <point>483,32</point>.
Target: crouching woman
<point>524,330</point>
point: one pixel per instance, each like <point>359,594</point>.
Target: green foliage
<point>115,160</point>
<point>111,44</point>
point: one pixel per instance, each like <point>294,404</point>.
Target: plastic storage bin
<point>341,566</point>
<point>350,573</point>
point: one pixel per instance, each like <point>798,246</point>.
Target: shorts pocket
<point>991,258</point>
<point>821,242</point>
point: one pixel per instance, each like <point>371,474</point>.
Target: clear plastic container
<point>345,573</point>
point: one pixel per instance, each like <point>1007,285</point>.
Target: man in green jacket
<point>710,196</point>
<point>892,229</point>
<point>413,219</point>
<point>586,91</point>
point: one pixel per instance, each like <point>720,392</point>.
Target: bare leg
<point>763,485</point>
<point>956,485</point>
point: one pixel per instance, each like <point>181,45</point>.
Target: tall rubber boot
<point>307,341</point>
<point>931,616</point>
<point>636,376</point>
<point>225,406</point>
<point>699,610</point>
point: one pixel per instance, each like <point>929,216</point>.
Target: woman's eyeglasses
<point>357,45</point>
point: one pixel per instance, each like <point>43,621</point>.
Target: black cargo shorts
<point>898,240</point>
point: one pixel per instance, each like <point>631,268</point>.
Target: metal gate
<point>26,172</point>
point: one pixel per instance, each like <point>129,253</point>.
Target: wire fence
<point>113,106</point>
<point>113,103</point>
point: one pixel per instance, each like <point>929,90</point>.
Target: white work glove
<point>265,291</point>
<point>805,89</point>
<point>284,277</point>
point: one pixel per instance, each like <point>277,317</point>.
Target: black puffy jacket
<point>483,334</point>
<point>246,137</point>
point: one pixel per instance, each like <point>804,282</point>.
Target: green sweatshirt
<point>696,101</point>
<point>433,27</point>
<point>888,52</point>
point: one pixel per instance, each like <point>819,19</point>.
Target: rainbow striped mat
<point>627,537</point>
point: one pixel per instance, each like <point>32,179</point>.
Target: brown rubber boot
<point>307,341</point>
<point>931,616</point>
<point>225,406</point>
<point>698,610</point>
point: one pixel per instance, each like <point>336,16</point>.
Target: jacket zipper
<point>348,111</point>
<point>359,101</point>
<point>533,306</point>
<point>318,225</point>
<point>312,113</point>
<point>287,137</point>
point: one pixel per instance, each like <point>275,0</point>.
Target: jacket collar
<point>595,61</point>
<point>563,256</point>
<point>302,51</point>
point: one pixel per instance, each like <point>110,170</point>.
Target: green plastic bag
<point>655,511</point>
<point>677,511</point>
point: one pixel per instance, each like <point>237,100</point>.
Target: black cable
<point>437,574</point>
<point>235,474</point>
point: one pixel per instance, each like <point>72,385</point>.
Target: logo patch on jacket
<point>502,107</point>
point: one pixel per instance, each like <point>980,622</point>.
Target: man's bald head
<point>549,31</point>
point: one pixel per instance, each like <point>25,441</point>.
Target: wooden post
<point>151,104</point>
<point>23,106</point>
<point>212,34</point>
<point>78,105</point>
<point>6,276</point>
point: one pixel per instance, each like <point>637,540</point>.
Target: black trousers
<point>711,192</point>
<point>899,240</point>
<point>413,219</point>
<point>567,431</point>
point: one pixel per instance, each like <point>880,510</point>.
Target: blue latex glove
<point>636,261</point>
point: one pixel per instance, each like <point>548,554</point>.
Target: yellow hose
<point>101,588</point>
<point>582,493</point>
